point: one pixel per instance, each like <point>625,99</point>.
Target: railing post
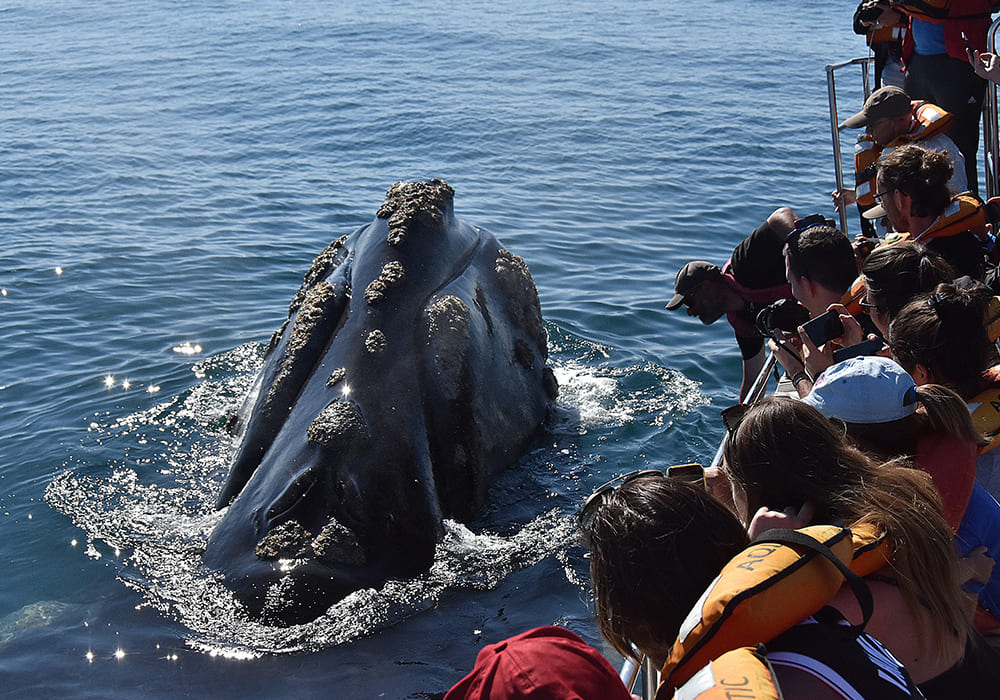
<point>991,128</point>
<point>652,678</point>
<point>831,88</point>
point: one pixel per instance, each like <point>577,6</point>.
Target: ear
<point>903,201</point>
<point>921,375</point>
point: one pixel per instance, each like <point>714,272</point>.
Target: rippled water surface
<point>169,172</point>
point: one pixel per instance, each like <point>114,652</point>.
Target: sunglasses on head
<point>807,223</point>
<point>692,473</point>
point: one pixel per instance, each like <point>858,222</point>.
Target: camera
<point>785,314</point>
<point>869,12</point>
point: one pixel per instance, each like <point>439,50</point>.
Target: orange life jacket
<point>765,590</point>
<point>964,213</point>
<point>928,120</point>
<point>882,35</point>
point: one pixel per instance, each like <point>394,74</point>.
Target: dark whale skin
<point>410,372</point>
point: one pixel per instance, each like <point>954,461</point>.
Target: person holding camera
<point>819,264</point>
<point>885,41</point>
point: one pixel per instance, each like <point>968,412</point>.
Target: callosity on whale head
<point>411,370</point>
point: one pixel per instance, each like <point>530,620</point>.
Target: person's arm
<point>792,365</point>
<point>843,198</point>
<point>788,519</point>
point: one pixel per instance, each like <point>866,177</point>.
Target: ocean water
<point>167,174</point>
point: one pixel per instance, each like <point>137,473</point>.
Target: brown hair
<point>920,173</point>
<point>944,332</point>
<point>785,453</point>
<point>655,545</point>
<point>941,411</point>
<point>895,274</point>
<point>824,255</point>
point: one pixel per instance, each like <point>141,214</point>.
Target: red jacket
<point>958,16</point>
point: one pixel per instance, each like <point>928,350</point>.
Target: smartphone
<point>824,327</point>
<point>865,347</point>
<point>691,473</point>
<point>968,46</point>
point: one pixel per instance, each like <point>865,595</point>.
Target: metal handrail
<point>835,121</point>
<point>991,125</point>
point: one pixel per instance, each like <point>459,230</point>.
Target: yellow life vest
<point>985,407</point>
<point>740,673</point>
<point>764,591</point>
<point>928,120</point>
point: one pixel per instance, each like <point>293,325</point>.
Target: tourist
<point>752,278</point>
<point>819,266</point>
<point>937,70</point>
<point>891,119</point>
<point>886,43</point>
<point>785,456</point>
<point>888,416</point>
<point>657,548</point>
<point>943,338</point>
<point>896,274</point>
<point>912,189</point>
<point>547,663</point>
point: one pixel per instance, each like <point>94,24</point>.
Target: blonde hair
<point>785,453</point>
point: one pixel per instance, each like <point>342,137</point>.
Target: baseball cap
<point>867,389</point>
<point>885,103</point>
<point>876,212</point>
<point>546,663</point>
<point>689,278</point>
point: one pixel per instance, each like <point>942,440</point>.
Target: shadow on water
<point>153,512</point>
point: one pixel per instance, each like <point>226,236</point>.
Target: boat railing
<point>630,667</point>
<point>991,125</point>
<point>831,88</point>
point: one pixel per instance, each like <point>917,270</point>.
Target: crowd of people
<point>845,546</point>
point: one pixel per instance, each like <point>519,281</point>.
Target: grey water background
<point>167,173</point>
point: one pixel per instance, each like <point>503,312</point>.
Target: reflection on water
<point>153,511</point>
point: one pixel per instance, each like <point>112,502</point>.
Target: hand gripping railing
<point>991,126</point>
<point>835,121</point>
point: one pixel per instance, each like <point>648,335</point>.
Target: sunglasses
<point>733,416</point>
<point>877,196</point>
<point>807,223</point>
<point>868,305</point>
<point>691,473</point>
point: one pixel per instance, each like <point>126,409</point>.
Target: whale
<point>411,370</point>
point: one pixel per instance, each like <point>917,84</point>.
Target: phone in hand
<point>824,327</point>
<point>865,347</point>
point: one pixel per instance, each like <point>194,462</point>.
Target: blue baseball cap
<point>866,389</point>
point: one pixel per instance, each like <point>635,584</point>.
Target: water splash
<point>153,511</point>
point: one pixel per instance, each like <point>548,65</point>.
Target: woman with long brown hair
<point>785,454</point>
